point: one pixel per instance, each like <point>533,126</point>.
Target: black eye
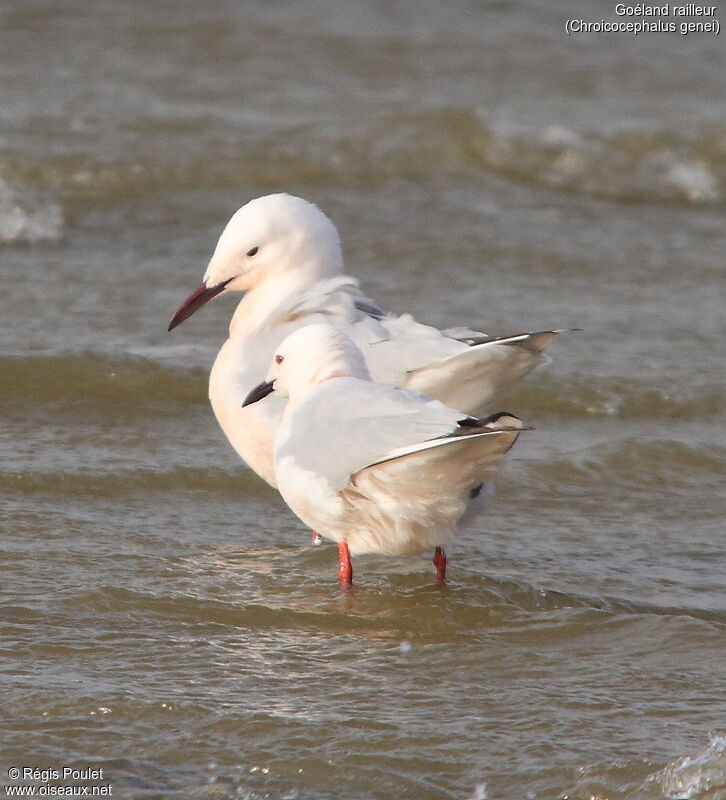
<point>253,251</point>
<point>279,359</point>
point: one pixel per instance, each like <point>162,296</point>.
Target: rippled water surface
<point>162,616</point>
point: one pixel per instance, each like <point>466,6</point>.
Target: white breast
<point>240,365</point>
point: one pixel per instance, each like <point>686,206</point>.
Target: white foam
<point>692,776</point>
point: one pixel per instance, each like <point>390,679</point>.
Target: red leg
<point>440,564</point>
<point>345,568</point>
<point>315,538</point>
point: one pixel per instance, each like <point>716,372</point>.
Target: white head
<point>309,356</point>
<point>273,236</point>
<point>276,237</point>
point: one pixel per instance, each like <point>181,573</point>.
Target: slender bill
<point>196,300</point>
<point>260,391</point>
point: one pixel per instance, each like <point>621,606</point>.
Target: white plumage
<point>376,468</point>
<point>285,254</point>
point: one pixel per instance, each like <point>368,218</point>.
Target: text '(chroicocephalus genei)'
<point>285,254</point>
<point>375,468</point>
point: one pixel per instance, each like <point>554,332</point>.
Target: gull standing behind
<point>376,468</point>
<point>285,254</point>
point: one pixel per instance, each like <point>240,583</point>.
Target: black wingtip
<point>496,417</point>
<point>491,421</point>
<point>473,422</point>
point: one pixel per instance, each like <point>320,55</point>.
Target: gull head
<point>278,237</point>
<point>307,357</point>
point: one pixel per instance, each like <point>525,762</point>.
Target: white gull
<point>375,468</point>
<point>285,254</point>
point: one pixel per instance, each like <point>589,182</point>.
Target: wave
<point>630,465</point>
<point>525,596</point>
<point>98,383</point>
<point>702,775</point>
<point>458,611</point>
<point>633,165</point>
<point>627,463</point>
<point>28,216</point>
<point>632,462</point>
<point>617,397</point>
<point>130,481</point>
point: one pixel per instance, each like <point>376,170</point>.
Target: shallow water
<point>162,617</point>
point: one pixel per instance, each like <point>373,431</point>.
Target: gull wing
<point>346,424</point>
<point>472,378</point>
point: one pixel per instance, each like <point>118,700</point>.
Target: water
<point>162,618</point>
